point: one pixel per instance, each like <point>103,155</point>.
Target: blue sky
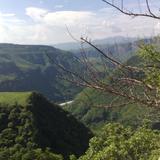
<point>18,6</point>
<point>44,21</point>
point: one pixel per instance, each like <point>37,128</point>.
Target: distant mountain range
<point>109,41</point>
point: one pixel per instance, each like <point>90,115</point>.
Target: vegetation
<point>19,153</point>
<point>119,143</point>
<point>27,68</point>
<point>32,128</point>
<point>27,133</point>
<point>136,98</point>
<point>131,84</point>
<point>14,98</point>
<point>93,109</point>
<point>34,125</point>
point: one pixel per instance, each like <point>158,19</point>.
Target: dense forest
<point>25,128</point>
<point>27,133</point>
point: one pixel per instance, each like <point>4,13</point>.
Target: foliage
<point>39,124</point>
<point>92,108</point>
<point>17,152</point>
<point>119,143</point>
<point>151,55</point>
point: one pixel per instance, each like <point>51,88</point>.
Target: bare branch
<point>135,81</point>
<point>101,52</point>
<point>129,13</point>
<point>149,9</point>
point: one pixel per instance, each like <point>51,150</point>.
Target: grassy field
<point>11,98</point>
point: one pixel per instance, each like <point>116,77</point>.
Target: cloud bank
<point>43,26</point>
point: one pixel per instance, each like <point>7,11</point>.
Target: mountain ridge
<point>70,46</point>
<point>28,68</point>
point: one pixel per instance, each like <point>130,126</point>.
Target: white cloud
<point>36,13</point>
<point>157,28</point>
<point>7,15</point>
<point>68,17</point>
<point>49,27</point>
<point>59,18</point>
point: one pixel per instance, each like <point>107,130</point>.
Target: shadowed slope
<point>32,119</point>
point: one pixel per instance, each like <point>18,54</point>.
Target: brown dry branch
<point>124,86</point>
<point>130,95</point>
<point>150,14</point>
<point>94,82</point>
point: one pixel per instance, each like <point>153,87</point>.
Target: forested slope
<point>28,120</point>
<point>94,107</point>
<point>28,68</point>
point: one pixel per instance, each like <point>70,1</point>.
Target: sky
<point>46,21</point>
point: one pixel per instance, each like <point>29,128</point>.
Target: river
<point>65,103</point>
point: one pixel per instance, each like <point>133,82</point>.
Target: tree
<point>117,142</point>
<point>120,6</point>
<point>133,84</point>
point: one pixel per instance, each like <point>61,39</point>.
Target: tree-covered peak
<point>28,119</point>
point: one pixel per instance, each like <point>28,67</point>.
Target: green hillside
<point>93,110</point>
<point>28,120</point>
<point>93,107</point>
<point>28,68</point>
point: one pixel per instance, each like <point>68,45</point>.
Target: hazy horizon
<point>44,21</point>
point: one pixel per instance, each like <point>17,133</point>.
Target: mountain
<point>93,110</point>
<point>115,40</point>
<point>119,51</point>
<point>71,46</point>
<point>27,119</point>
<point>28,68</point>
<point>92,107</point>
